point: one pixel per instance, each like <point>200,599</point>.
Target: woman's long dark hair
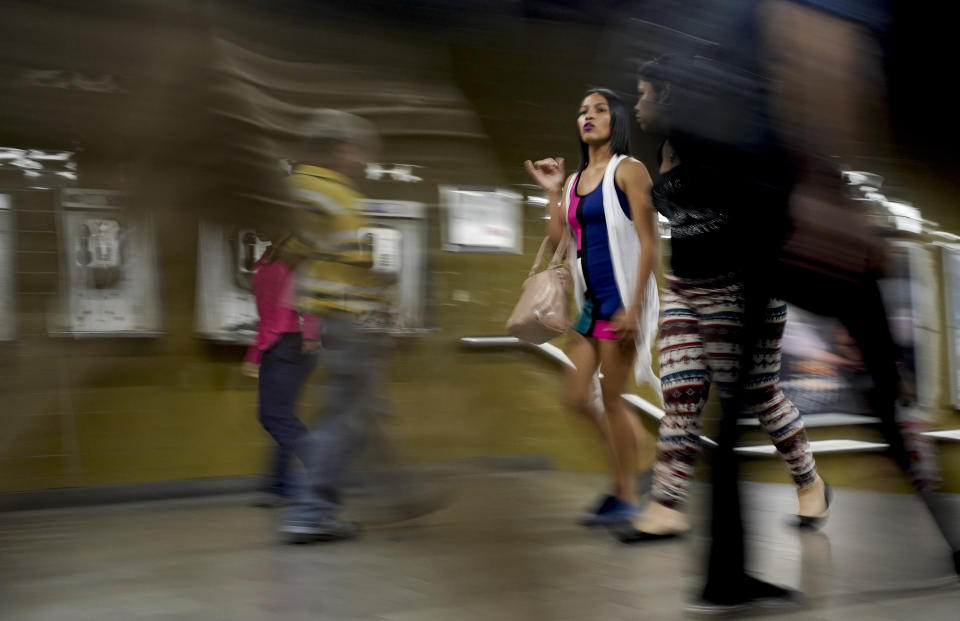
<point>619,126</point>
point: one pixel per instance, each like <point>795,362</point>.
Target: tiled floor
<point>505,548</point>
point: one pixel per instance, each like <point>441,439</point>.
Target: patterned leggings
<point>700,326</point>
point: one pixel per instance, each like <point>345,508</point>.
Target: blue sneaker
<point>602,507</point>
<point>609,511</point>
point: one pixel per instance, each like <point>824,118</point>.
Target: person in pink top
<point>282,359</point>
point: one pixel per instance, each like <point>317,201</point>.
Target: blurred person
<point>335,282</point>
<point>281,359</point>
<point>827,353</point>
<point>702,324</point>
<point>823,370</point>
<point>825,55</point>
<point>603,213</point>
<point>724,105</point>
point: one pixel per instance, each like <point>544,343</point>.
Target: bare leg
<point>625,430</point>
<point>579,394</point>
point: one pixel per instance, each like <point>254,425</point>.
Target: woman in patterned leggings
<point>699,346</point>
<point>701,331</point>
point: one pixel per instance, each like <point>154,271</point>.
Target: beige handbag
<point>543,311</point>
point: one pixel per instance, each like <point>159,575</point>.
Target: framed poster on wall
<point>481,219</point>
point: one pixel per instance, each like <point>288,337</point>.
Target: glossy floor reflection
<point>505,548</point>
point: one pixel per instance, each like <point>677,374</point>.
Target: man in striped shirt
<point>336,283</point>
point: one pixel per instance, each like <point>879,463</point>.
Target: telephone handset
<point>248,248</point>
<point>387,244</point>
<point>99,253</point>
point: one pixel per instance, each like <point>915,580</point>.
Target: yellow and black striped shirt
<point>329,232</point>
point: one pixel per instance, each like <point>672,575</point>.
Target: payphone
<point>399,231</point>
<point>109,283</point>
<point>226,309</point>
<point>226,256</point>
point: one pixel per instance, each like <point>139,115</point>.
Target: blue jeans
<point>284,370</point>
<point>355,364</point>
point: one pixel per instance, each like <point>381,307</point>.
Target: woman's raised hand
<point>549,173</point>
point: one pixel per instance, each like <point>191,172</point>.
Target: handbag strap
<point>560,252</point>
<point>540,253</point>
<point>558,255</point>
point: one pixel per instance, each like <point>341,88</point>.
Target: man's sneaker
<point>326,530</point>
<point>610,511</point>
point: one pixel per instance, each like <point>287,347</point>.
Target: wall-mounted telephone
<point>98,252</point>
<point>387,245</point>
<point>109,283</point>
<point>248,248</point>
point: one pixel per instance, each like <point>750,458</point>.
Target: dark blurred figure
<point>774,165</point>
<point>281,360</point>
<point>825,55</point>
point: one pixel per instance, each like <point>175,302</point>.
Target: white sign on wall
<point>481,219</point>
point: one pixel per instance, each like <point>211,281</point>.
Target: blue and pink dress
<point>601,299</point>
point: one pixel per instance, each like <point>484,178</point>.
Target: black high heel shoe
<point>808,522</point>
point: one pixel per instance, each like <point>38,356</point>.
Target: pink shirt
<point>273,288</point>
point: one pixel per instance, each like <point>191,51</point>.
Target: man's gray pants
<point>354,362</point>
